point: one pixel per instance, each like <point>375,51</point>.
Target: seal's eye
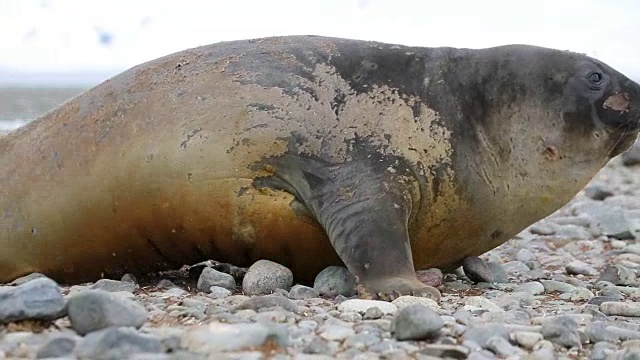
<point>595,81</point>
<point>595,78</point>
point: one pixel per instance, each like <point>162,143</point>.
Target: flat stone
<point>93,310</point>
<point>361,306</point>
<point>601,350</point>
<point>117,343</point>
<point>215,337</point>
<point>217,292</point>
<point>350,316</point>
<point>629,344</point>
<point>407,300</point>
<point>578,267</point>
<point>416,322</point>
<point>319,346</point>
<point>501,347</point>
<point>264,277</point>
<point>336,332</point>
<point>114,285</point>
<point>23,279</point>
<point>516,268</point>
<point>211,277</point>
<point>483,303</point>
<point>266,301</point>
<point>527,339</point>
<point>334,281</point>
<point>303,292</point>
<point>532,287</point>
<point>620,309</point>
<point>551,286</point>
<point>37,299</point>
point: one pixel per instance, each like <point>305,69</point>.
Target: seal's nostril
<point>617,102</point>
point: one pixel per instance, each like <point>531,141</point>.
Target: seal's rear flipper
<point>364,207</point>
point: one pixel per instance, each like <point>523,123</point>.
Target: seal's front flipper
<point>364,207</point>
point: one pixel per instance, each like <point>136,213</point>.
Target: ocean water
<point>19,105</point>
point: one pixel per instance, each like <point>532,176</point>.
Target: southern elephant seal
<point>309,151</point>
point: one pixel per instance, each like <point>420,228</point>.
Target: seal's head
<point>537,124</point>
<point>556,104</point>
<point>602,101</point>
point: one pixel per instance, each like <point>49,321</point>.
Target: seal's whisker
<point>620,138</point>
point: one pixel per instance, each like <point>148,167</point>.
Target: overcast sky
<point>87,35</point>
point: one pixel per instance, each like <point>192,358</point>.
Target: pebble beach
<point>564,288</point>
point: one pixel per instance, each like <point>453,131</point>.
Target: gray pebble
<point>264,277</point>
<point>499,273</point>
<point>551,286</point>
<point>481,334</point>
<point>350,316</point>
<point>319,346</point>
<point>597,300</point>
<point>373,313</point>
<point>532,287</point>
<point>336,332</point>
<point>93,310</point>
<point>618,275</point>
<point>578,267</point>
<point>597,331</point>
<point>562,330</point>
<point>501,347</point>
<point>601,350</point>
<point>257,303</point>
<point>38,299</point>
<point>361,341</point>
<point>416,322</point>
<point>214,337</point>
<point>477,270</point>
<point>217,292</point>
<point>445,351</point>
<point>515,268</point>
<point>623,334</point>
<point>59,346</point>
<point>542,354</point>
<point>114,285</point>
<point>303,292</point>
<point>116,343</point>
<point>211,277</point>
<point>527,339</point>
<point>335,280</point>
